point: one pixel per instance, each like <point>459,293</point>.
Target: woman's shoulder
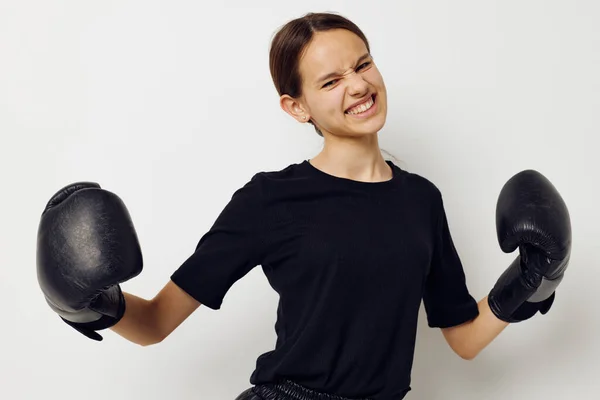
<point>288,171</point>
<point>418,181</point>
<point>264,182</point>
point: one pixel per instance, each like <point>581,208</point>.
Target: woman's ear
<point>293,108</point>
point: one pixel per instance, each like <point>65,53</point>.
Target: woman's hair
<point>289,43</point>
<point>291,40</point>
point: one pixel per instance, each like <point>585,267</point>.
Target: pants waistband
<point>288,390</point>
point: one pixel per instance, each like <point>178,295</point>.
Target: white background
<point>170,105</point>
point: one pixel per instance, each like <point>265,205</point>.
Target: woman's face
<point>338,72</point>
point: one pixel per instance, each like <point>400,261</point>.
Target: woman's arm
<point>148,322</point>
<point>468,339</point>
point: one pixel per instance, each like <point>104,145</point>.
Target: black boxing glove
<point>86,246</point>
<point>531,216</point>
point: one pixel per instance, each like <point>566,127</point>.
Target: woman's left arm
<point>468,339</point>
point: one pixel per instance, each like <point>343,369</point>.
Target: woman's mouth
<point>365,109</point>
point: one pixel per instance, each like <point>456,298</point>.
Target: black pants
<point>286,390</point>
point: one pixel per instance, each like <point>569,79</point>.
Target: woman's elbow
<point>150,343</point>
<point>463,350</point>
<point>158,338</point>
<point>466,354</point>
<point>149,339</point>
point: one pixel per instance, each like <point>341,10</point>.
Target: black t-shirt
<point>351,262</point>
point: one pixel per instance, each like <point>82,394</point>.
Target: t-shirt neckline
<point>324,176</point>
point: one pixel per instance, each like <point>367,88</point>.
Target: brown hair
<point>291,40</point>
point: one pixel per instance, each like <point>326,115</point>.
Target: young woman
<point>351,243</point>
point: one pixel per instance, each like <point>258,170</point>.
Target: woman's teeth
<point>361,108</point>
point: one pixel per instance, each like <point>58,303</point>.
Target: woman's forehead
<point>331,51</point>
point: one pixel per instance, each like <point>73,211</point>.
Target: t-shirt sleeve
<point>231,248</point>
<point>446,297</point>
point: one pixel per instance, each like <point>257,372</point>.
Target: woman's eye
<point>364,65</point>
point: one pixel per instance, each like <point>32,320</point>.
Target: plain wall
<point>170,105</point>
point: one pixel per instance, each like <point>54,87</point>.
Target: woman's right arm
<point>148,322</point>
